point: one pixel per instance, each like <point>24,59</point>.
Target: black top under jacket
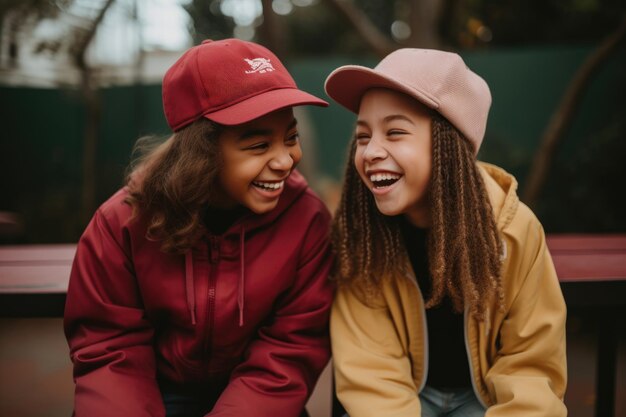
<point>448,367</point>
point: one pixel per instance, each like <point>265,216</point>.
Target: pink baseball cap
<point>230,82</point>
<point>439,80</point>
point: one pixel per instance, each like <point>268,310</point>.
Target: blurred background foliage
<point>557,71</point>
<point>317,28</point>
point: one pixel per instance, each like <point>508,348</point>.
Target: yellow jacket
<point>517,356</point>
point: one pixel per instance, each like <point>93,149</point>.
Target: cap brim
<point>263,104</point>
<point>346,85</point>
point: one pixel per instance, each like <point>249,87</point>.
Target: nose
<point>374,151</point>
<point>282,160</point>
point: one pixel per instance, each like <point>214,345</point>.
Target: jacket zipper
<point>424,336</point>
<point>469,357</point>
<point>213,261</point>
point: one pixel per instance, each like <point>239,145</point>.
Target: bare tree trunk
<point>381,44</point>
<point>14,20</point>
<point>138,88</point>
<point>92,111</point>
<point>562,117</point>
<point>271,30</point>
<point>91,101</point>
<point>424,23</point>
<point>448,19</point>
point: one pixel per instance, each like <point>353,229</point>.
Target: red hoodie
<point>251,305</point>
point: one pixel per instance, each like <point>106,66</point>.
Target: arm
<point>529,374</point>
<point>110,340</point>
<point>283,363</point>
<point>372,371</point>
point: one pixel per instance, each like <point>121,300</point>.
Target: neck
<point>419,217</point>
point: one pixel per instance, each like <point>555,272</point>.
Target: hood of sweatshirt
<point>295,185</point>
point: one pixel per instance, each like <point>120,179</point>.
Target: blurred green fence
<point>41,145</point>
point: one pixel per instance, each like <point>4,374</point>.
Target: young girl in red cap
<point>200,288</point>
<point>448,302</point>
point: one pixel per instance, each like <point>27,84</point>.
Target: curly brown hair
<point>171,183</point>
<point>464,245</point>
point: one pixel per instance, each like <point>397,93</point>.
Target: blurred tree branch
<point>272,30</point>
<point>423,18</point>
<point>561,119</point>
<point>39,7</point>
<point>17,14</point>
<point>78,51</point>
<point>79,41</point>
<point>381,44</point>
<point>85,36</point>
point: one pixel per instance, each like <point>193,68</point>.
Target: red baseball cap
<point>230,82</point>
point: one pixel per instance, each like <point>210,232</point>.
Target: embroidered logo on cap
<point>261,65</point>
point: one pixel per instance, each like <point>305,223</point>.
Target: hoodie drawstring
<point>189,286</point>
<point>240,294</point>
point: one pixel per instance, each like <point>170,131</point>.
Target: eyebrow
<point>387,119</point>
<point>397,117</point>
<point>263,132</point>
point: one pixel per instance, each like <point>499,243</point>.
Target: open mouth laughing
<point>269,186</point>
<point>384,179</point>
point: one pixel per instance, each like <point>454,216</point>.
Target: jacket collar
<point>295,185</point>
<point>502,190</point>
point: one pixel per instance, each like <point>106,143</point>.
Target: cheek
<point>358,164</point>
<point>234,173</point>
<point>296,155</point>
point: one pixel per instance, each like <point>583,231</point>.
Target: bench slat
<point>40,269</point>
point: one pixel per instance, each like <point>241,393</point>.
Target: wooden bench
<point>592,272</point>
<point>33,279</point>
<point>591,269</point>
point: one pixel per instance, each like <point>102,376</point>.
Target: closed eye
<point>361,136</point>
<point>293,139</point>
<point>396,132</point>
<point>257,146</point>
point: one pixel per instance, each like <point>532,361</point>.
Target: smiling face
<point>393,153</point>
<point>257,158</point>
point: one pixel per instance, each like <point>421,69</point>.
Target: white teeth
<point>385,176</point>
<point>269,185</point>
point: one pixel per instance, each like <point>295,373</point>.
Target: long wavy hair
<point>170,184</point>
<point>463,241</point>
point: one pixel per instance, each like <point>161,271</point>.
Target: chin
<point>389,211</point>
<point>258,209</point>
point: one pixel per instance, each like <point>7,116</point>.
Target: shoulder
<point>524,229</point>
<point>116,210</point>
<point>366,295</point>
<point>524,247</point>
<point>314,218</point>
<point>303,227</point>
<point>314,203</point>
<point>308,206</point>
<point>298,205</point>
<point>114,218</point>
<point>108,228</point>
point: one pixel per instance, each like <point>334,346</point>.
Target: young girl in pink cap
<point>200,288</point>
<point>448,302</point>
